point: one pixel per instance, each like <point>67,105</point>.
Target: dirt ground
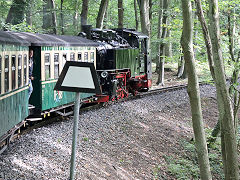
<point>182,126</point>
<point>126,148</point>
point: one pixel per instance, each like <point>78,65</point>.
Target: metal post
<point>75,133</point>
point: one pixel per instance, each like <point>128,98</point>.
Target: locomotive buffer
<point>77,77</point>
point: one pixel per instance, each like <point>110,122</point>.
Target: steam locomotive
<point>123,61</point>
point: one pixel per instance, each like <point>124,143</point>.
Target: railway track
<point>27,126</point>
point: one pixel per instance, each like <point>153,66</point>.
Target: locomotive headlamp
<point>104,74</point>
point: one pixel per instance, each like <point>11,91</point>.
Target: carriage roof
<point>8,38</point>
<point>36,39</point>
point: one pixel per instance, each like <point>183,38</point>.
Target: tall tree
<point>120,13</point>
<point>193,91</point>
<point>49,16</point>
<point>61,17</point>
<point>159,32</point>
<point>136,14</point>
<point>168,45</point>
<point>144,16</point>
<point>161,58</point>
<point>16,12</point>
<point>84,12</point>
<point>208,44</point>
<point>75,15</point>
<point>101,13</point>
<point>181,67</point>
<point>29,12</point>
<point>150,10</point>
<point>105,19</point>
<point>206,36</point>
<point>234,80</point>
<point>228,138</point>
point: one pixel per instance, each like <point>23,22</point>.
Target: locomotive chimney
<point>87,29</point>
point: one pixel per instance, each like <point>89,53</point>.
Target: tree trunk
<point>181,67</point>
<point>228,138</point>
<point>75,15</point>
<point>16,12</point>
<point>160,16</point>
<point>161,58</point>
<point>207,39</point>
<point>144,17</point>
<point>206,36</point>
<point>150,10</point>
<point>234,80</point>
<point>150,14</point>
<point>231,36</point>
<point>105,19</point>
<point>29,12</point>
<point>84,12</point>
<point>168,45</point>
<point>101,13</point>
<point>193,91</point>
<point>120,13</point>
<point>136,14</point>
<point>61,17</point>
<point>49,17</point>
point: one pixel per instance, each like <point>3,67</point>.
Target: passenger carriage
<point>13,84</point>
<point>50,54</point>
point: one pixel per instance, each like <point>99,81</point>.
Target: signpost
<point>77,77</point>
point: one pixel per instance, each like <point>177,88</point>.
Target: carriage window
<point>0,74</point>
<point>72,57</point>
<point>92,57</point>
<point>79,56</point>
<point>25,70</point>
<point>56,66</point>
<point>86,56</point>
<point>13,72</point>
<point>47,67</point>
<point>19,70</point>
<point>6,80</point>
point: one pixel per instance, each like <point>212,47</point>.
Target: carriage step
<point>34,119</point>
<point>30,106</point>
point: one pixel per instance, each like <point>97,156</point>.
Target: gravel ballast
<point>125,140</point>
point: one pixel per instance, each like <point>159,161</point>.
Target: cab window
<point>56,66</point>
<point>6,70</point>
<point>19,70</point>
<point>25,69</point>
<point>86,56</point>
<point>47,66</point>
<point>13,72</point>
<point>72,57</point>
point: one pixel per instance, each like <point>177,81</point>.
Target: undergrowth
<point>185,165</point>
